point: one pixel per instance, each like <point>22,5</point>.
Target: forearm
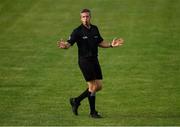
<point>104,44</point>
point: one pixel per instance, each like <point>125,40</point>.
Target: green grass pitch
<point>141,83</point>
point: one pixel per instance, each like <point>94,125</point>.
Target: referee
<point>88,39</point>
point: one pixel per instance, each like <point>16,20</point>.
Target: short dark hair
<point>86,10</point>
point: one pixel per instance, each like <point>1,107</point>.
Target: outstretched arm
<point>63,44</point>
<point>115,43</point>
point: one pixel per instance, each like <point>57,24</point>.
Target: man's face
<point>85,18</point>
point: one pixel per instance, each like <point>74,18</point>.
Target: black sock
<point>82,96</point>
<point>92,98</point>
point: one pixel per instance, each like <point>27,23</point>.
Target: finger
<point>121,40</point>
<point>58,43</point>
<point>115,39</point>
<point>61,41</point>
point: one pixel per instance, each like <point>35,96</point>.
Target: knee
<point>92,86</point>
<point>99,85</point>
<point>95,86</point>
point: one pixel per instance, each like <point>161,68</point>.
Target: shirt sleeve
<point>72,38</point>
<point>100,39</point>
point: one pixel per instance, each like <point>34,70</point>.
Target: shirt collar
<point>86,27</point>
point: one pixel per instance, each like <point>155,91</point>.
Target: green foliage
<point>141,78</point>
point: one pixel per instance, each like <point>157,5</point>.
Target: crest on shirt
<point>84,37</point>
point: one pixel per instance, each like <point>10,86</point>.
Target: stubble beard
<point>87,23</point>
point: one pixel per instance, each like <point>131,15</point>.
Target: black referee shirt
<point>87,40</point>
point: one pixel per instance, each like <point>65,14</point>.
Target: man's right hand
<point>62,44</point>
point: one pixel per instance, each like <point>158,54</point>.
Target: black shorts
<point>90,68</point>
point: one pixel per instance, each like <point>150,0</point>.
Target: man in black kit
<point>88,39</point>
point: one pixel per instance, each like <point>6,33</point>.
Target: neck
<point>87,26</point>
